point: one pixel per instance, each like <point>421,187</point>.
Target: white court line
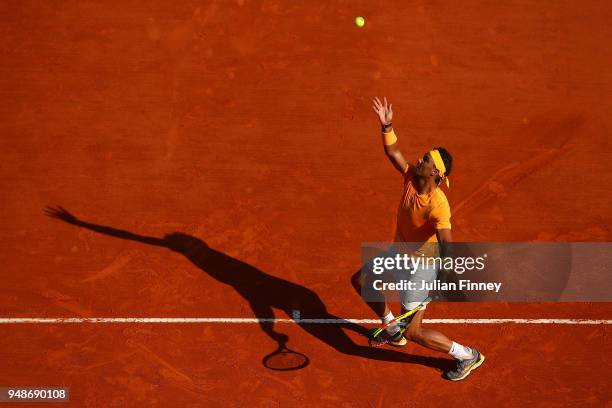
<point>205,320</point>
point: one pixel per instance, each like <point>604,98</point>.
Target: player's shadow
<point>264,292</point>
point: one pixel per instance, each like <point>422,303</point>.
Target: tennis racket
<point>379,337</point>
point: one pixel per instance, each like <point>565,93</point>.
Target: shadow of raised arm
<point>62,214</point>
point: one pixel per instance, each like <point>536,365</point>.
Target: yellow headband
<point>437,159</point>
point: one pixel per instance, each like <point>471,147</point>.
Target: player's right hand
<point>383,110</point>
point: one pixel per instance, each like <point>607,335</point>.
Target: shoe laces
<point>462,363</point>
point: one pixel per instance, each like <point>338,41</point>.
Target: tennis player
<point>423,217</point>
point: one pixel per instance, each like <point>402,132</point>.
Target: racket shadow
<point>262,291</point>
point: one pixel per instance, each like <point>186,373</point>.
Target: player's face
<point>425,166</point>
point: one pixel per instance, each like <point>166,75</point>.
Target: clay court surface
<point>247,127</point>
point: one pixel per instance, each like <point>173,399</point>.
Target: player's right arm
<point>384,111</point>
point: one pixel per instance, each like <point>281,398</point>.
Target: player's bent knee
<point>414,334</point>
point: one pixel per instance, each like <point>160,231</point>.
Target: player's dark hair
<point>447,159</point>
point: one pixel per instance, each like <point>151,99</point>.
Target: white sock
<point>460,352</point>
<point>393,327</point>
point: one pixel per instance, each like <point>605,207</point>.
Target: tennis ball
<point>359,21</point>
